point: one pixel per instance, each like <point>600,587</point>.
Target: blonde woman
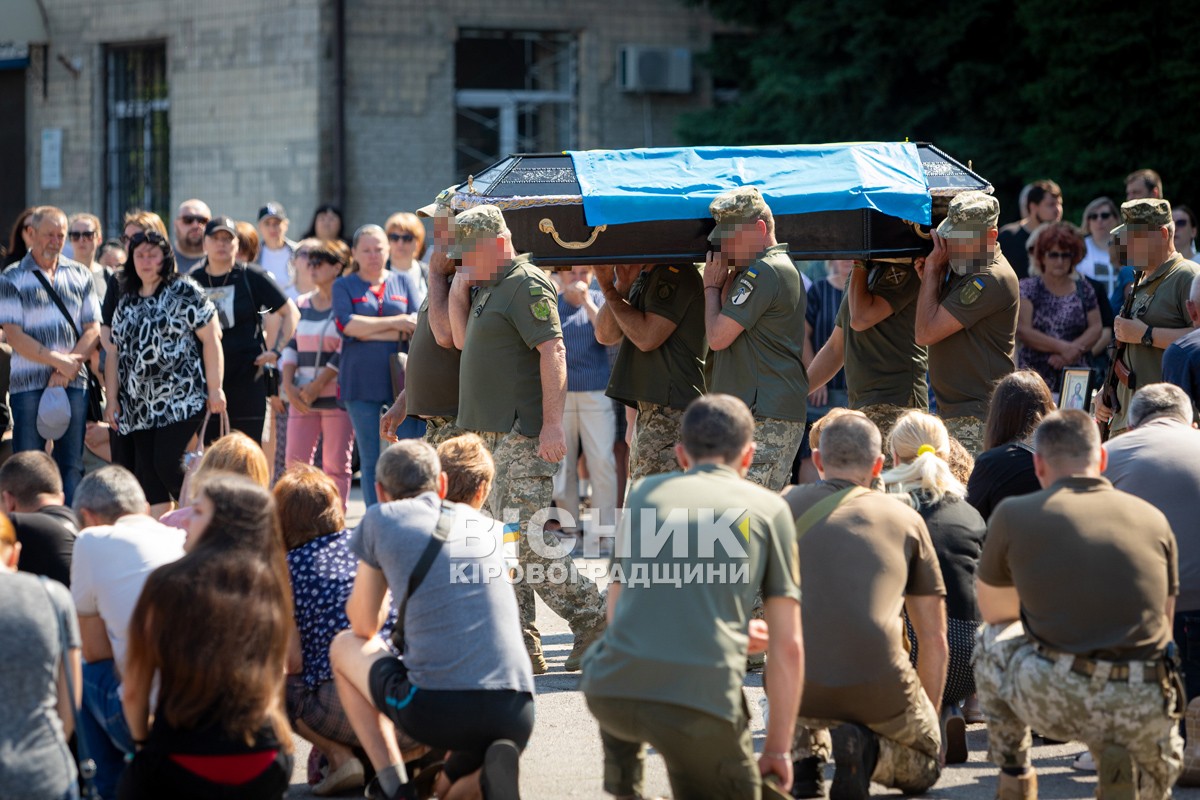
<point>920,449</point>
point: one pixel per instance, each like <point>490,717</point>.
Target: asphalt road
<point>564,757</point>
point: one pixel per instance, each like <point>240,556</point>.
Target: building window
<point>515,93</point>
<point>137,140</point>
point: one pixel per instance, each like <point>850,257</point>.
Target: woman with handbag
<point>165,367</point>
<point>375,308</point>
<point>220,730</point>
<point>310,370</point>
<point>242,294</point>
<point>40,682</point>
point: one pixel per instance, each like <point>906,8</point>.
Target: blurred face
<point>202,515</point>
<point>328,225</point>
<point>1184,232</point>
<point>272,230</point>
<point>1141,248</point>
<point>323,271</point>
<point>371,252</point>
<point>131,230</point>
<point>742,244</point>
<point>1049,210</point>
<point>481,262</point>
<point>969,251</point>
<point>1100,221</point>
<point>189,225</point>
<point>839,271</point>
<point>221,248</point>
<point>402,245</point>
<point>1057,262</point>
<point>113,258</point>
<point>1137,189</point>
<point>576,275</point>
<point>47,239</point>
<point>147,262</point>
<point>84,239</point>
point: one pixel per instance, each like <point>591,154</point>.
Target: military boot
<point>1116,775</point>
<point>533,646</point>
<point>583,640</point>
<point>1017,787</point>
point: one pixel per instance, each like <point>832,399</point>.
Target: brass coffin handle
<point>546,226</point>
<point>916,227</point>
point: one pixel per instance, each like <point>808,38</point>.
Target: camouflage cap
<point>440,203</point>
<point>481,222</point>
<point>970,213</point>
<point>1145,214</point>
<point>736,207</point>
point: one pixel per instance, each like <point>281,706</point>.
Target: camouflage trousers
<point>524,487</point>
<point>909,744</point>
<point>440,429</point>
<point>655,434</point>
<point>1019,688</point>
<point>778,442</point>
<point>968,431</point>
<point>884,415</point>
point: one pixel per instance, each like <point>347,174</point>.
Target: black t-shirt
<point>1106,310</point>
<point>47,538</point>
<point>240,297</point>
<point>1012,240</point>
<point>1004,471</point>
<point>112,295</point>
<point>957,531</point>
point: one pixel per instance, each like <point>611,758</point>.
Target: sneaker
<point>1017,787</point>
<point>499,778</point>
<point>954,734</point>
<point>583,641</point>
<point>348,776</point>
<point>1084,762</point>
<point>1117,776</point>
<point>808,777</point>
<point>855,751</point>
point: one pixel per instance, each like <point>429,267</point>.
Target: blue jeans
<point>68,450</point>
<point>102,725</point>
<point>365,416</point>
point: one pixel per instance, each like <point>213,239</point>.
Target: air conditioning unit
<point>654,69</point>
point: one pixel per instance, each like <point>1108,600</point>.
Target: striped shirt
<point>316,345</point>
<point>25,302</point>
<point>588,366</point>
<point>824,300</point>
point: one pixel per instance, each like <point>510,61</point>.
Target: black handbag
<point>95,389</point>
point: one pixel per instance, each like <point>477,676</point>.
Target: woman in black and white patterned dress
<point>165,367</point>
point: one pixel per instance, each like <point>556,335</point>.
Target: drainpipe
<point>339,104</point>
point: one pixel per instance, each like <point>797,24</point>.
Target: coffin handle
<point>916,227</point>
<point>547,226</point>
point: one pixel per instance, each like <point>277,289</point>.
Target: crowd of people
<point>889,482</point>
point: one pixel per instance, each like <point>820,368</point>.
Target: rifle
<point>1108,391</point>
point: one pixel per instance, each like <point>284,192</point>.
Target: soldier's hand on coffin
<point>919,266</point>
<point>552,444</point>
<point>937,261</point>
<point>716,270</point>
<point>626,275</point>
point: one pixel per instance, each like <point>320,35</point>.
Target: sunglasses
<point>316,261</point>
<point>193,219</point>
<point>153,237</point>
<point>1057,254</point>
<point>77,235</point>
<point>1095,215</point>
<point>401,237</point>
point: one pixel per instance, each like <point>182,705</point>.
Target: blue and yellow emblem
<point>971,291</point>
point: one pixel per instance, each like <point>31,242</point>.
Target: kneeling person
<point>1077,588</point>
<point>464,683</point>
<point>865,556</point>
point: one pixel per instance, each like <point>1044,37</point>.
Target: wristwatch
<point>1148,336</point>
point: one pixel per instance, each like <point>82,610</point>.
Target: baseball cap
<point>477,223</point>
<point>441,202</point>
<point>271,209</point>
<point>970,213</point>
<point>54,414</point>
<point>220,224</point>
<point>736,207</point>
<point>1147,213</point>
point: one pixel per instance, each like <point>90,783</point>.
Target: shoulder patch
<point>888,276</point>
<point>971,291</point>
<point>541,309</point>
<point>742,292</point>
<point>666,290</point>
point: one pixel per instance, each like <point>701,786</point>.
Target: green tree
<point>1083,93</point>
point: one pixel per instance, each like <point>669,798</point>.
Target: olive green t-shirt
<point>673,373</point>
<point>966,365</point>
<point>884,364</point>
<point>762,367</point>
<point>1160,301</point>
<point>856,566</point>
<point>500,378</point>
<point>431,380</point>
<point>684,642</point>
<point>1092,565</point>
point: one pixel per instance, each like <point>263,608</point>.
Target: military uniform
<point>670,668</point>
<point>857,565</point>
<point>431,381</point>
<point>661,383</point>
<point>500,398</point>
<point>1086,662</point>
<point>762,367</point>
<point>966,365</point>
<point>885,367</point>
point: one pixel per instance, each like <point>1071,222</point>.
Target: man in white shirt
<point>116,551</point>
<point>276,254</point>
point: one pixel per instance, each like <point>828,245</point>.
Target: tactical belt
<point>1155,670</point>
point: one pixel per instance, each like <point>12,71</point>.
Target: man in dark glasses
<point>189,234</point>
